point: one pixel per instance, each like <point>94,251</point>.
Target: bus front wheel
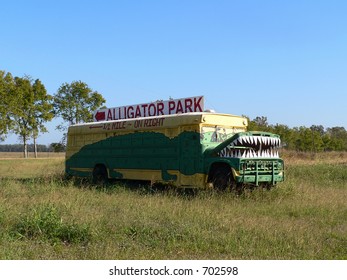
<point>221,178</point>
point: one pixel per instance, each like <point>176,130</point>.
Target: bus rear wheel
<point>100,176</point>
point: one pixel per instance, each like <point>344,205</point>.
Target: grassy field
<point>10,155</point>
<point>43,216</point>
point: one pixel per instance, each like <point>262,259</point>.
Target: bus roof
<point>163,121</point>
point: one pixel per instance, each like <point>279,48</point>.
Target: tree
<point>21,112</point>
<point>286,135</point>
<point>75,103</point>
<point>57,147</point>
<point>318,128</point>
<point>32,109</point>
<point>259,124</point>
<point>338,137</point>
<point>43,110</point>
<point>317,138</point>
<point>6,102</point>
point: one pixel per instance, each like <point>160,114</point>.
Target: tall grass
<point>44,222</point>
<point>302,218</point>
<point>31,168</point>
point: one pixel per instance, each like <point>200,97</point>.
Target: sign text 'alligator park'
<point>157,108</point>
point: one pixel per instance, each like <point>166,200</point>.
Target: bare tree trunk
<point>35,147</point>
<point>25,147</point>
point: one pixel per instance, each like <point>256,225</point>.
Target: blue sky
<point>286,60</point>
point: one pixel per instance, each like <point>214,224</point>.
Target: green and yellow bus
<point>190,150</point>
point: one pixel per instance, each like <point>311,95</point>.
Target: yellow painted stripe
<point>196,180</point>
<point>144,174</point>
<point>82,169</point>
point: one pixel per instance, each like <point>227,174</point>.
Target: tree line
<point>26,106</point>
<point>315,138</point>
<point>53,147</point>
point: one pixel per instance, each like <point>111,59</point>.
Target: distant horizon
<point>9,140</point>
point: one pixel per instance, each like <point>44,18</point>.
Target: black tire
<point>100,176</point>
<point>239,189</point>
<point>267,187</point>
<point>222,178</point>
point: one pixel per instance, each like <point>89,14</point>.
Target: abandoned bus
<point>197,149</point>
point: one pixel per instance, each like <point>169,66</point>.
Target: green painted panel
<point>184,153</point>
<point>144,150</point>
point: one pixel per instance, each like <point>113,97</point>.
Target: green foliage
<point>57,147</point>
<point>7,100</point>
<point>304,139</point>
<point>45,223</point>
<point>32,109</point>
<point>24,107</point>
<point>75,102</point>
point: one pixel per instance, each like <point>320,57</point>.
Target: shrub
<point>44,222</point>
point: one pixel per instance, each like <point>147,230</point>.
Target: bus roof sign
<point>157,108</point>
